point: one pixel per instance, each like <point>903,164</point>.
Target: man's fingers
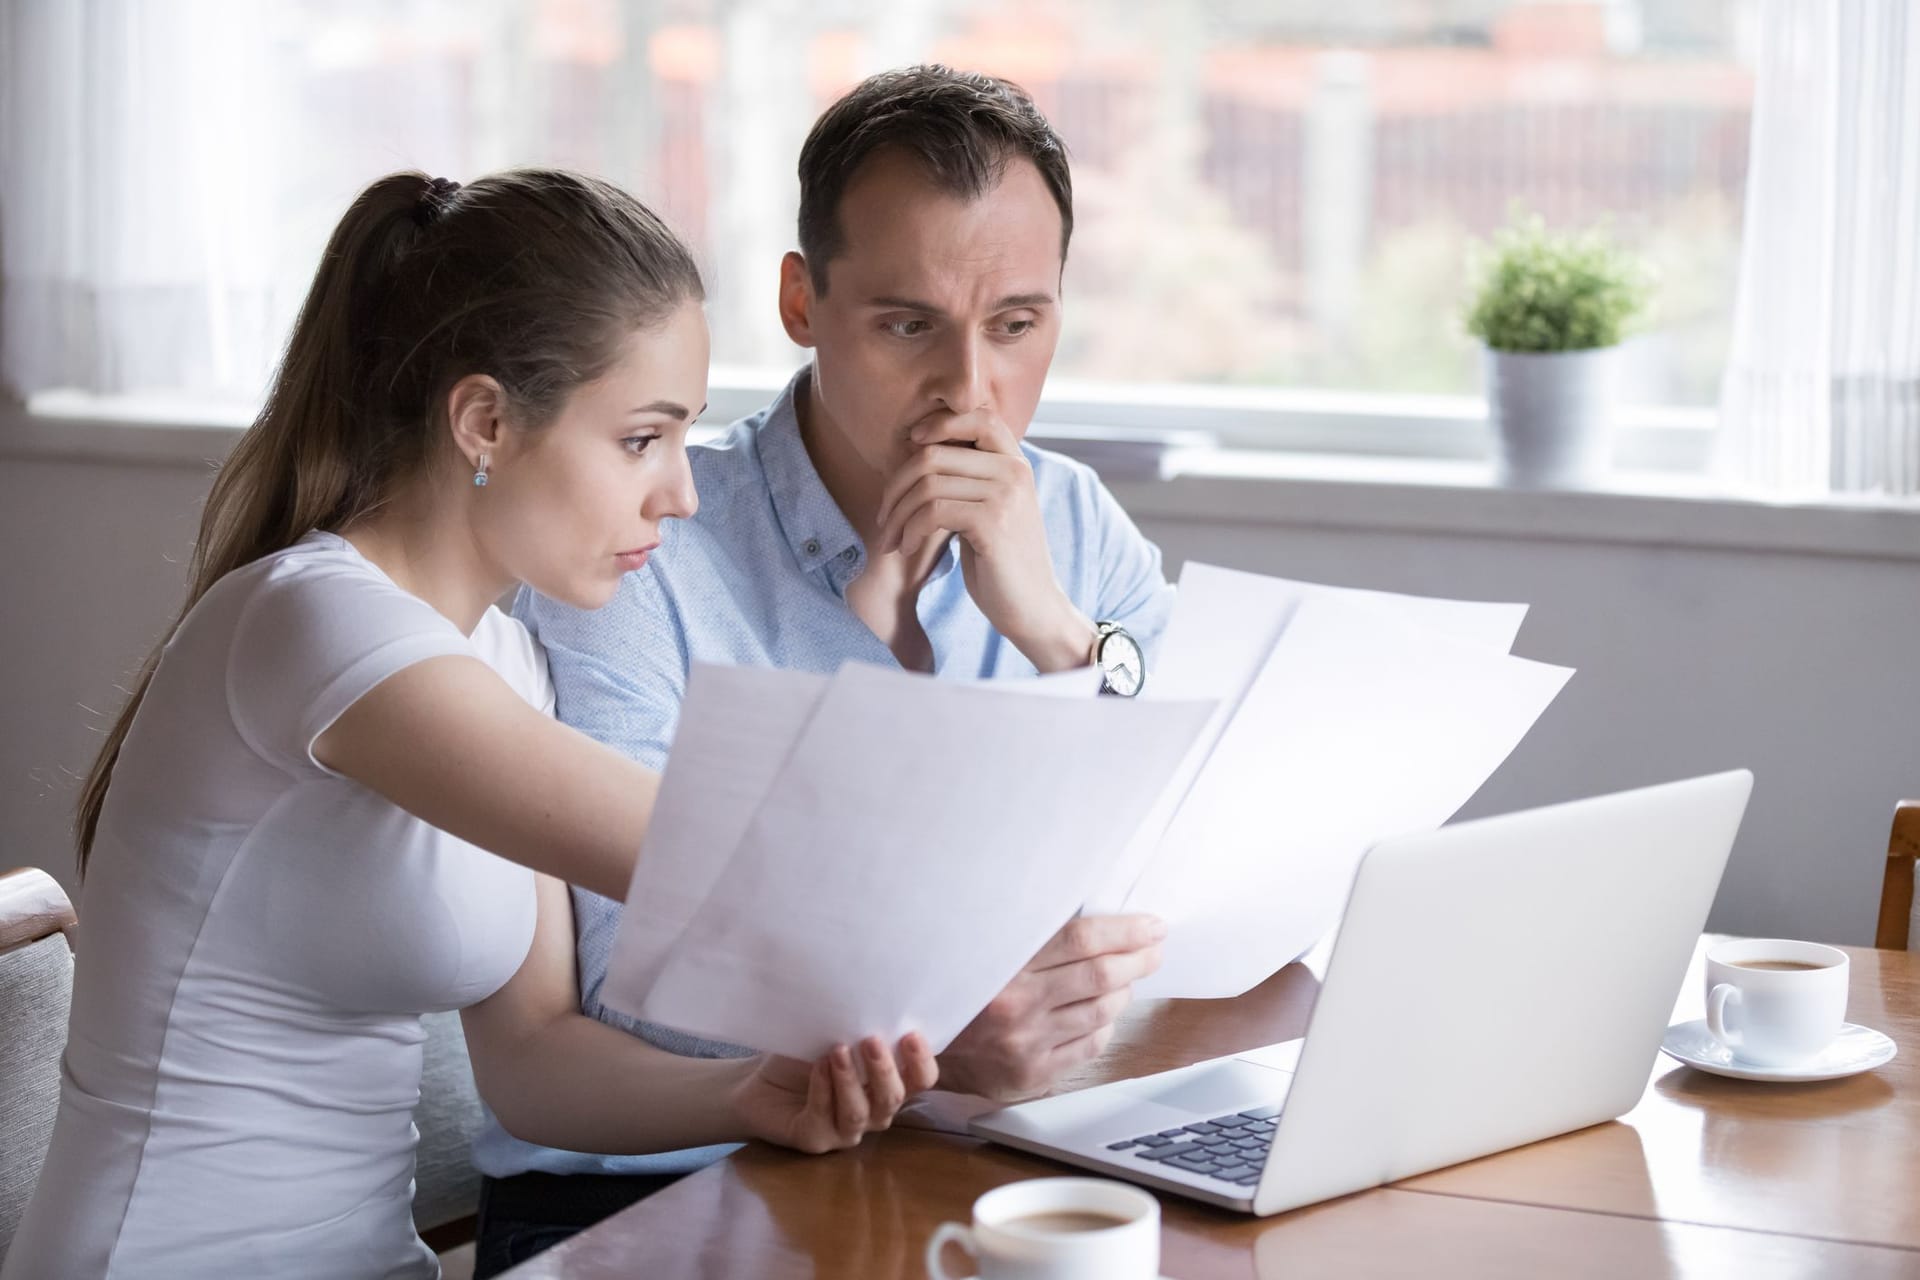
<point>1097,976</point>
<point>1084,1017</point>
<point>936,518</point>
<point>1093,977</point>
<point>929,489</point>
<point>1077,1051</point>
<point>1086,936</point>
<point>1065,1000</point>
<point>940,460</point>
<point>979,427</point>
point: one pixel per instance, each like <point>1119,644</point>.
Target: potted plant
<point>1551,308</point>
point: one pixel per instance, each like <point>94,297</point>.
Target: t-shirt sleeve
<point>504,644</point>
<point>311,642</point>
<point>1134,591</point>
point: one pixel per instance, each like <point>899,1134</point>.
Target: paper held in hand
<point>1366,716</point>
<point>877,852</point>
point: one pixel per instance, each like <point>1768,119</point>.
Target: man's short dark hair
<point>962,128</point>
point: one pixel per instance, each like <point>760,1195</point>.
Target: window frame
<point>1674,440</point>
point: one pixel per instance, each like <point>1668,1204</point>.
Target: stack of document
<point>1344,717</point>
<point>878,852</point>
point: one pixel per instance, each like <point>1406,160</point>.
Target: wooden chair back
<point>1896,889</point>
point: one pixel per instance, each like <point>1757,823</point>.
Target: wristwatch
<point>1123,668</point>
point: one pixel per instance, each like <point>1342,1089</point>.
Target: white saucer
<point>1856,1049</point>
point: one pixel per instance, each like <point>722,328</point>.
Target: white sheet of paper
<point>737,725</point>
<point>1225,624</point>
<point>1357,727</point>
<point>919,844</point>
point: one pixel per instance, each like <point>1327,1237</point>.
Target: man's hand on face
<point>968,476</point>
<point>1058,1012</point>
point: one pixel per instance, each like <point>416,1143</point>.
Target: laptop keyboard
<point>1232,1148</point>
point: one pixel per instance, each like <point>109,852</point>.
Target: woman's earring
<point>480,473</point>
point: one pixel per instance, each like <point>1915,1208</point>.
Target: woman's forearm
<point>581,1085</point>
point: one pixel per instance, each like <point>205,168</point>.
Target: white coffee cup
<point>1774,1002</point>
<point>1057,1229</point>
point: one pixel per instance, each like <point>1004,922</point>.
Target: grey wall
<point>1798,666</point>
<point>94,567</point>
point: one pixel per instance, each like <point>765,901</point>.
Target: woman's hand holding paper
<point>826,1105</point>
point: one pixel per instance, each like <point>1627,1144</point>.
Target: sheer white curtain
<point>1822,392</point>
<point>169,169</point>
<point>133,246</point>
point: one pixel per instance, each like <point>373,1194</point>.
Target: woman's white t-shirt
<point>258,939</point>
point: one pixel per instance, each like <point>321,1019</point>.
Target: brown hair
<point>535,277</point>
<point>961,126</point>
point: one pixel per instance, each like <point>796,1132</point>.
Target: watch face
<point>1122,664</point>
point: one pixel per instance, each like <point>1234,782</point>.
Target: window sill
<point>1456,498</point>
<point>1204,483</point>
<point>158,431</point>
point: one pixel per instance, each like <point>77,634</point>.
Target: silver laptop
<point>1493,983</point>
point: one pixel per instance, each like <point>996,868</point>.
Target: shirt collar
<point>817,531</point>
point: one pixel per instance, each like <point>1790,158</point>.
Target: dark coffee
<point>1779,966</point>
<point>1066,1221</point>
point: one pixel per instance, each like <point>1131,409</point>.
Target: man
<point>883,509</point>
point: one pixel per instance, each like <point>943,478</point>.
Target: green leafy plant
<point>1539,290</point>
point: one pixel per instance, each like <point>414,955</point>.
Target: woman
<point>285,837</point>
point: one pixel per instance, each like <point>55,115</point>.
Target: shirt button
<point>812,546</point>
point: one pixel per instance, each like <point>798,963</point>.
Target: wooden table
<point>1706,1177</point>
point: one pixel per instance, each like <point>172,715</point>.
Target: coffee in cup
<point>1775,1002</point>
<point>1056,1229</point>
<point>1068,1221</point>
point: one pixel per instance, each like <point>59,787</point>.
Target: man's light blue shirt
<point>759,577</point>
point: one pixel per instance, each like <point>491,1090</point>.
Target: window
<point>1274,199</point>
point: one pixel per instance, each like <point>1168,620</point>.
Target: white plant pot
<point>1551,414</point>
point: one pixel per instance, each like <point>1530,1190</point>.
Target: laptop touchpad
<point>1230,1086</point>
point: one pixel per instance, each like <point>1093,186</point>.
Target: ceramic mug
<point>1057,1229</point>
<point>1774,1002</point>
